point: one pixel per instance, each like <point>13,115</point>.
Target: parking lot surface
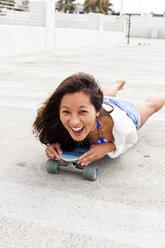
<point>125,207</point>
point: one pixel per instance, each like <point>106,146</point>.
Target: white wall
<point>112,37</point>
<point>16,40</point>
<point>67,38</point>
<point>91,21</point>
<point>38,30</point>
<point>148,27</point>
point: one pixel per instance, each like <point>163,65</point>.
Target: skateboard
<point>69,160</point>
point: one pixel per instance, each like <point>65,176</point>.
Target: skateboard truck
<point>88,172</point>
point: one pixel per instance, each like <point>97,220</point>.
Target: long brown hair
<point>48,126</point>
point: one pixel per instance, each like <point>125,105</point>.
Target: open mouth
<point>77,131</point>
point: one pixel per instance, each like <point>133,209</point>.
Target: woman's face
<point>78,115</point>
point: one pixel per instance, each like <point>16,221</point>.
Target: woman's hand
<point>95,152</point>
<point>53,150</point>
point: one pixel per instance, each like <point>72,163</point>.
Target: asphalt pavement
<point>125,207</point>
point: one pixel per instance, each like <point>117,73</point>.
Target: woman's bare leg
<point>150,106</point>
<point>114,88</point>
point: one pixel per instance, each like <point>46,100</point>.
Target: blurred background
<point>75,23</point>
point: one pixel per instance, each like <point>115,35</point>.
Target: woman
<point>78,114</point>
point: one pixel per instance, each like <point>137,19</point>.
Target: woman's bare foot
<point>114,88</point>
<point>120,84</point>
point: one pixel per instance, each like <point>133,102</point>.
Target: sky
<point>143,6</point>
<point>138,6</point>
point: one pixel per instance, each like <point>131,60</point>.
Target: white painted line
<point>6,94</point>
<point>18,106</point>
<point>157,119</point>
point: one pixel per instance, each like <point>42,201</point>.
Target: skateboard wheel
<point>52,166</point>
<point>90,173</point>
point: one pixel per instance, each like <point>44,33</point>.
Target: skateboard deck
<point>73,155</point>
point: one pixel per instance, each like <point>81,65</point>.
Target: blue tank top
<point>100,139</point>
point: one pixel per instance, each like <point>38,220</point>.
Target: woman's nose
<point>74,121</point>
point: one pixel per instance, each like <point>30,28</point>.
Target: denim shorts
<point>128,107</point>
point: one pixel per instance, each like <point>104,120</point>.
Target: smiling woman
<point>78,114</point>
<point>62,105</point>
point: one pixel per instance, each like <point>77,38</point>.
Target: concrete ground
<point>125,207</point>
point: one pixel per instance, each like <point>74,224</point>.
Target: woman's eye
<point>65,112</point>
<point>83,111</point>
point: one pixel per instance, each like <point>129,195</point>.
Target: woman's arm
<point>96,152</point>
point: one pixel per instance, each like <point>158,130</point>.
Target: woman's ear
<point>97,114</point>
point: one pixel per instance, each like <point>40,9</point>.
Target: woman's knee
<point>151,105</point>
<point>156,102</point>
<point>145,110</point>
